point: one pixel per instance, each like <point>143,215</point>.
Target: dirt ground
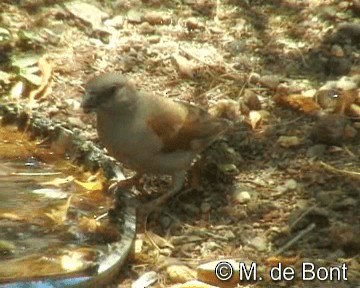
<point>283,186</point>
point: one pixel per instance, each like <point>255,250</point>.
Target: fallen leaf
<point>90,186</point>
<point>298,102</point>
<point>255,119</point>
<point>46,72</point>
<point>184,66</point>
<point>288,141</point>
<point>286,261</point>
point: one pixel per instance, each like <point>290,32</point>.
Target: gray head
<point>106,91</point>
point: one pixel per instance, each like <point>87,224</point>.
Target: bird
<point>149,133</point>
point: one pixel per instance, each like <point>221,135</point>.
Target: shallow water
<point>49,212</point>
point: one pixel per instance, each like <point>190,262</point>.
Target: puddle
<point>50,213</point>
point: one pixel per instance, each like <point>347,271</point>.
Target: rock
<point>343,5</point>
<point>242,197</point>
<point>226,108</point>
<point>259,243</point>
<point>157,18</point>
<point>290,184</point>
<point>316,151</point>
<point>236,47</point>
<point>146,28</point>
<point>251,100</point>
<point>254,78</point>
<point>209,246</point>
<point>134,17</point>
<point>116,22</point>
<point>194,24</point>
<point>87,13</point>
<point>269,81</point>
<point>347,83</point>
<point>153,39</point>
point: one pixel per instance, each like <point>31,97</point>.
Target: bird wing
<point>191,129</point>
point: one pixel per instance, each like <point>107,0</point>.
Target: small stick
<point>302,216</point>
<point>295,239</point>
<point>344,172</point>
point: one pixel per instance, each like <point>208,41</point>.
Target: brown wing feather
<point>193,131</point>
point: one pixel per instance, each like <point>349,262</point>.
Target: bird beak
<point>88,104</point>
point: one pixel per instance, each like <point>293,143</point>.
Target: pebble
<point>157,18</point>
<point>290,184</point>
<point>254,78</point>
<point>269,81</point>
<point>259,243</point>
<point>135,17</point>
<point>116,22</point>
<point>242,197</point>
<point>251,100</point>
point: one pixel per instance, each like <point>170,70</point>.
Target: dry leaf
<point>286,261</point>
<point>184,66</point>
<point>180,273</point>
<point>255,119</point>
<point>288,141</point>
<point>298,102</point>
<point>205,273</point>
<point>46,71</point>
<point>17,90</point>
<point>90,186</point>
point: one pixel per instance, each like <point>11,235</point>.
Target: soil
<point>283,185</point>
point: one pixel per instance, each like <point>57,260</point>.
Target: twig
<point>302,216</point>
<point>295,239</point>
<point>335,170</point>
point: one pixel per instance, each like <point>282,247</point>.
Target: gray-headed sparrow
<point>148,133</point>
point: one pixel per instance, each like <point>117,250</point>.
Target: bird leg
<point>178,180</point>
